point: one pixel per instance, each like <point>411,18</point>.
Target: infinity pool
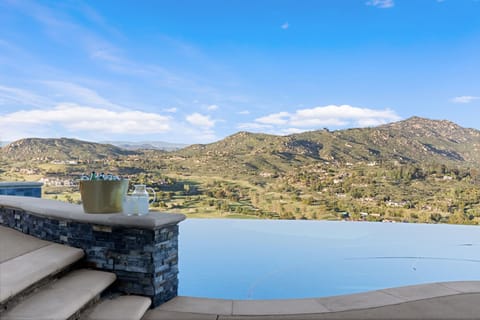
<point>272,259</point>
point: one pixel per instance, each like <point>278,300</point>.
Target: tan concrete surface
<point>456,307</point>
<point>21,272</point>
<point>156,314</point>
<point>458,300</point>
<point>421,291</point>
<point>122,307</point>
<point>67,211</point>
<point>199,305</point>
<point>463,286</point>
<point>14,243</point>
<point>62,298</point>
<point>459,307</point>
<point>266,307</point>
<point>360,300</point>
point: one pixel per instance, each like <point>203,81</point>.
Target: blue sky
<point>197,71</point>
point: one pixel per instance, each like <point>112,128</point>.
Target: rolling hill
<point>60,149</point>
<point>414,140</point>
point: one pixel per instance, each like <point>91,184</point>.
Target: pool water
<point>279,259</point>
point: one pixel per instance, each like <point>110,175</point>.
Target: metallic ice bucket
<point>100,196</point>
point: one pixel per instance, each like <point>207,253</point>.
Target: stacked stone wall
<point>144,260</point>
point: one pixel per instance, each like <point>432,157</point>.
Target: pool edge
<point>332,304</point>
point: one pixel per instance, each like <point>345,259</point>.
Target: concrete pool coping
<point>419,296</point>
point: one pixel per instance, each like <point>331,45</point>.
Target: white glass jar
<point>141,199</point>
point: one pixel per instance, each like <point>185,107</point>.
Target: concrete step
<point>26,261</point>
<point>14,243</point>
<point>62,299</point>
<point>122,307</point>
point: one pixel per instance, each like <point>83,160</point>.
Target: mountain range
<point>409,141</point>
<point>147,145</point>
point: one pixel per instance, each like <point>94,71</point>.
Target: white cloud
<point>199,128</point>
<point>103,46</point>
<point>81,119</point>
<point>100,42</point>
<point>254,126</point>
<point>212,107</point>
<point>464,99</point>
<point>285,26</point>
<point>59,25</point>
<point>68,91</point>
<point>200,120</point>
<point>383,4</point>
<point>333,115</point>
<point>274,118</point>
<point>317,117</point>
<point>292,131</point>
<point>170,110</point>
<point>16,96</point>
<point>317,122</point>
<point>243,112</point>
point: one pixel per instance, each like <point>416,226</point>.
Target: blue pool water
<point>272,259</point>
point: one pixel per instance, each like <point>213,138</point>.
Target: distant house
<point>57,182</point>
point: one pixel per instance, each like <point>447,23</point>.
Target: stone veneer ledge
<point>141,250</point>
